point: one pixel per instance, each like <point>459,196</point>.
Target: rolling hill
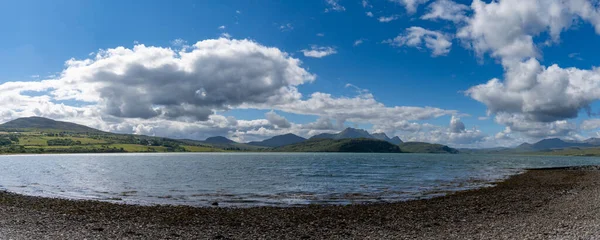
<point>44,124</point>
<point>341,145</point>
<point>219,140</point>
<point>279,141</point>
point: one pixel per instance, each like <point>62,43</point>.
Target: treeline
<point>6,140</point>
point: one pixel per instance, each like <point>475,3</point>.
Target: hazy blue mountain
<point>279,141</point>
<point>382,136</point>
<point>350,133</point>
<point>593,141</point>
<point>45,124</point>
<point>219,140</point>
<point>555,143</point>
<point>347,133</point>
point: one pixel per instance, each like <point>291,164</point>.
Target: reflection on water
<point>260,179</point>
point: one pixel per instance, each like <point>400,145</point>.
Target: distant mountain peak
<point>219,139</point>
<point>280,140</point>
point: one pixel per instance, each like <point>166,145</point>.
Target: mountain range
<point>357,133</point>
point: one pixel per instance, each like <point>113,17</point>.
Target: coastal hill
<point>341,145</point>
<point>280,140</point>
<point>44,124</point>
<point>422,147</point>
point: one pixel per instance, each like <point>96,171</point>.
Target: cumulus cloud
<point>533,99</point>
<point>147,82</point>
<point>318,52</point>
<point>387,19</point>
<point>369,14</point>
<point>456,126</point>
<point>334,5</point>
<point>277,120</point>
<point>543,94</point>
<point>590,124</point>
<point>446,10</point>
<point>536,130</point>
<point>438,42</point>
<point>456,134</point>
<point>506,29</point>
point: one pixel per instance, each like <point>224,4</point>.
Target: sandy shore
<point>540,204</point>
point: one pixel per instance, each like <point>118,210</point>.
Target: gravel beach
<point>539,204</point>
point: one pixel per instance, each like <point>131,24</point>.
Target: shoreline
<point>540,203</point>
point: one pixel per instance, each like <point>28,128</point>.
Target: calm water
<point>252,179</point>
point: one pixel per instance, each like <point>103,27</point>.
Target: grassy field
<point>38,143</point>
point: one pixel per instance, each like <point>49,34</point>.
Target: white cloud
<point>410,5</point>
<point>366,4</point>
<point>506,29</point>
<point>369,14</point>
<point>446,10</point>
<point>226,35</point>
<point>438,42</point>
<point>575,56</point>
<point>334,5</point>
<point>222,27</point>
<point>540,93</point>
<point>286,27</point>
<point>147,82</point>
<point>590,124</point>
<point>536,130</point>
<point>320,34</point>
<point>387,19</point>
<point>358,42</point>
<point>277,120</point>
<point>318,52</point>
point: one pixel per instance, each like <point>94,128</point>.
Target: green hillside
<point>342,145</point>
<point>44,124</point>
<point>422,147</point>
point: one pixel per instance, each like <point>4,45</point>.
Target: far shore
<point>558,203</point>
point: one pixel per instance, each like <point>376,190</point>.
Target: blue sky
<point>43,35</point>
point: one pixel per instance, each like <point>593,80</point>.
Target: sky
<point>462,73</point>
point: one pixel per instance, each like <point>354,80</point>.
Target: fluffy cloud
<point>410,5</point>
<point>438,42</point>
<point>277,120</point>
<point>318,52</point>
<point>533,100</point>
<point>506,29</point>
<point>590,124</point>
<point>536,130</point>
<point>446,10</point>
<point>456,134</point>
